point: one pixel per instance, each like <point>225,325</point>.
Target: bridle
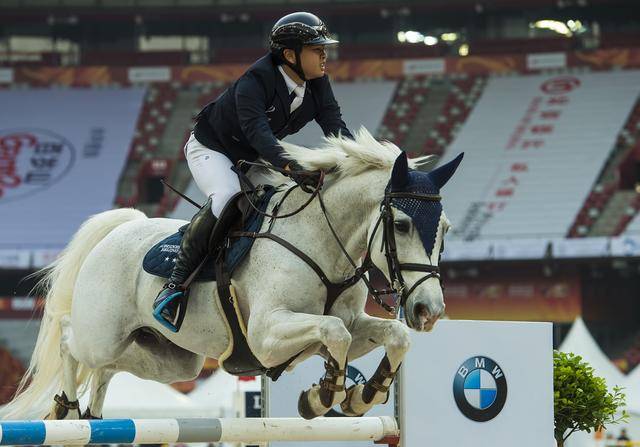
<point>391,253</point>
<point>385,220</point>
<point>395,267</point>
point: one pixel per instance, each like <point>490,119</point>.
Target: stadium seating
<point>410,97</point>
<point>511,109</point>
<point>153,119</point>
<point>463,95</point>
<point>404,106</point>
<point>151,123</point>
<point>609,181</point>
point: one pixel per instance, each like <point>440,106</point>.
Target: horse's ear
<point>441,175</point>
<point>400,173</point>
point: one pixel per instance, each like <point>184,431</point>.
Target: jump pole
<point>162,431</point>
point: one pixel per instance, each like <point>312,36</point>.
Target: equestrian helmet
<point>297,29</point>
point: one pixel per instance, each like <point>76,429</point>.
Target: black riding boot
<point>193,249</point>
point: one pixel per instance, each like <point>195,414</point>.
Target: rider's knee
<point>220,198</point>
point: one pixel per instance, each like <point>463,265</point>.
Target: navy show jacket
<point>248,118</point>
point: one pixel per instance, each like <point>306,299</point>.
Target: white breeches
<point>212,172</point>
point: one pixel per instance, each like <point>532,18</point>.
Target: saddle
<point>159,259</point>
<point>237,358</point>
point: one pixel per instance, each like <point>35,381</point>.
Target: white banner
<point>423,66</point>
<point>543,61</point>
<point>149,74</point>
<point>520,248</point>
<point>634,226</point>
<point>23,303</point>
<point>61,154</point>
<point>625,246</point>
<point>15,259</point>
<point>6,75</point>
<point>502,249</point>
<point>534,146</point>
<point>590,247</point>
<point>42,258</point>
<point>456,250</point>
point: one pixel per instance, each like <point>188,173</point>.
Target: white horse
<point>98,319</point>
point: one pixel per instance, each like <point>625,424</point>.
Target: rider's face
<point>313,59</point>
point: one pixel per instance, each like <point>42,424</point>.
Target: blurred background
<point>97,99</point>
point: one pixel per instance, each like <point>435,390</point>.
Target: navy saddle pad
<point>160,259</point>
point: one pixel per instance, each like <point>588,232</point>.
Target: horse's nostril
<point>420,310</point>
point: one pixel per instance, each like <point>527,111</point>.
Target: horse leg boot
<point>328,393</point>
<point>170,305</point>
<point>368,333</point>
<point>66,403</point>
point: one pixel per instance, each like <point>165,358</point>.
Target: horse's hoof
<point>63,408</point>
<point>87,415</point>
<point>346,407</point>
<point>304,408</point>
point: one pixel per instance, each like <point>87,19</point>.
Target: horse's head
<point>411,230</point>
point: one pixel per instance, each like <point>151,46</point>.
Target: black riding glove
<point>307,180</point>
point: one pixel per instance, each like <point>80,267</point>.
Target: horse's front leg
<point>281,334</point>
<point>368,333</point>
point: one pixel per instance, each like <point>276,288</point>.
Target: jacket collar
<point>291,84</point>
<point>282,91</point>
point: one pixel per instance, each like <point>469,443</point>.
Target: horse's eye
<point>402,226</point>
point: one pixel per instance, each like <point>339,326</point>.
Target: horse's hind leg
<point>99,384</point>
<point>282,334</point>
<point>66,403</point>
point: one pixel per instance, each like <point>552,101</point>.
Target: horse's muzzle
<point>424,318</point>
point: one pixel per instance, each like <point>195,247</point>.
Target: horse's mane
<point>350,157</point>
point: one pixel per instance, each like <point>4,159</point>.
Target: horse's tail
<point>43,378</point>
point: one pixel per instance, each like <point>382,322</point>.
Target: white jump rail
<point>162,431</point>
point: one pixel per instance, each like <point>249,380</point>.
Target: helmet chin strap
<point>297,67</point>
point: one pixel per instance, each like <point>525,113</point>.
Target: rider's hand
<point>307,180</point>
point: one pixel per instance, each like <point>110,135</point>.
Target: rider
<point>275,97</point>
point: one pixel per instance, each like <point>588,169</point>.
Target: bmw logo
<point>480,388</point>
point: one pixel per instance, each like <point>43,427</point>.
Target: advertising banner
<point>61,155</point>
<point>479,383</point>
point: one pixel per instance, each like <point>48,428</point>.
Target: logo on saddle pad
<point>480,388</point>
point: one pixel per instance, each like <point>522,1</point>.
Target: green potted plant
<point>582,401</point>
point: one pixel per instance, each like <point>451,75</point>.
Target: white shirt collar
<point>291,84</point>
